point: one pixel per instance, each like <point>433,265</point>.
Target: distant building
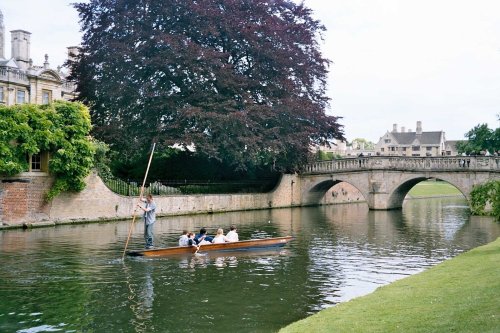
<point>22,82</point>
<point>450,147</point>
<point>340,148</point>
<point>409,143</point>
<point>336,148</point>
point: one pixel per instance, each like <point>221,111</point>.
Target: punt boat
<point>229,246</point>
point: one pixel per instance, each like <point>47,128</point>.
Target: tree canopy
<point>241,81</point>
<point>480,138</point>
<point>361,143</point>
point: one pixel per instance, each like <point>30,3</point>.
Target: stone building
<point>23,82</point>
<point>450,147</point>
<point>342,149</point>
<point>409,143</point>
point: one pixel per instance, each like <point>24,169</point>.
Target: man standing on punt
<point>149,219</point>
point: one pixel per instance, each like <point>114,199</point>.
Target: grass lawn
<point>459,295</point>
<point>433,188</point>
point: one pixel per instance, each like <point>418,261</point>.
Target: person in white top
<point>232,235</point>
<point>219,237</point>
<point>183,240</point>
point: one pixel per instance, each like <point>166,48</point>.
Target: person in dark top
<point>202,236</point>
<point>191,241</point>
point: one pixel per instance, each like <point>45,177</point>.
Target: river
<point>71,278</point>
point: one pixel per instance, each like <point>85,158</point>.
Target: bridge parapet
<point>455,163</point>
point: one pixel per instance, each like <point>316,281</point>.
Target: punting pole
<point>140,196</point>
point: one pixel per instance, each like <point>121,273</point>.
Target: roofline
<point>21,30</point>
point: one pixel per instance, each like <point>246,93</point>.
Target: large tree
<point>480,138</point>
<point>240,80</point>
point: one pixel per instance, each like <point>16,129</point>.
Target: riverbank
<point>459,295</point>
<point>433,189</point>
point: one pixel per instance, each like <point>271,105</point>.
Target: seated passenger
<point>183,240</point>
<point>191,241</point>
<point>232,235</point>
<point>220,238</point>
<point>202,236</point>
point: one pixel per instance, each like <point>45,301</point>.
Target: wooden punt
<point>232,246</point>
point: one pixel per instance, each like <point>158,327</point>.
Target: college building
<point>23,82</point>
<point>415,143</point>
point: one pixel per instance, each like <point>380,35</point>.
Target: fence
<point>184,187</point>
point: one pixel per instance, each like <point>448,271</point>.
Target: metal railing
<point>186,187</point>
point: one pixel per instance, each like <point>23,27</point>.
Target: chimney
<point>402,129</point>
<point>20,41</point>
<point>73,52</point>
<point>395,128</point>
<point>419,127</point>
<point>2,37</point>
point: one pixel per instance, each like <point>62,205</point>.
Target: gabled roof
<point>452,144</point>
<point>48,74</point>
<point>409,138</point>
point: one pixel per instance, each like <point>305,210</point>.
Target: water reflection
<point>72,278</point>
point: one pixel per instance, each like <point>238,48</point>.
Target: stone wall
<point>22,201</point>
<point>97,202</point>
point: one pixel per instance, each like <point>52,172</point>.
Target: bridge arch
<point>398,194</point>
<point>316,188</point>
<point>384,181</point>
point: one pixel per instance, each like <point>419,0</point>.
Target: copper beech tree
<point>239,80</point>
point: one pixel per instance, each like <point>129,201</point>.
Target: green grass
<point>432,189</point>
<point>460,295</point>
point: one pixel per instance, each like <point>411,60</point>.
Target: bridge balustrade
<point>455,163</point>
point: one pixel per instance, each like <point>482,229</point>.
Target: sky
<point>393,61</point>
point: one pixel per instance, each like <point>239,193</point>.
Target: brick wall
<point>14,200</point>
<point>22,199</point>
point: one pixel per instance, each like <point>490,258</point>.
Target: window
<point>46,96</point>
<point>21,97</point>
<point>403,148</point>
<point>415,148</point>
<point>428,148</point>
<point>1,94</point>
<point>36,162</point>
<point>381,149</point>
<point>387,140</point>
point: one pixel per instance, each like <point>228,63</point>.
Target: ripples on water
<point>72,278</point>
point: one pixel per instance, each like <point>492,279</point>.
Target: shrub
<point>486,196</point>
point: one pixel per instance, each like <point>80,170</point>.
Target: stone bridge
<point>384,181</point>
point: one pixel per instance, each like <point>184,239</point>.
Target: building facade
<point>23,82</point>
<point>412,143</point>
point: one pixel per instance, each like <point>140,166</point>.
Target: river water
<point>71,278</point>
